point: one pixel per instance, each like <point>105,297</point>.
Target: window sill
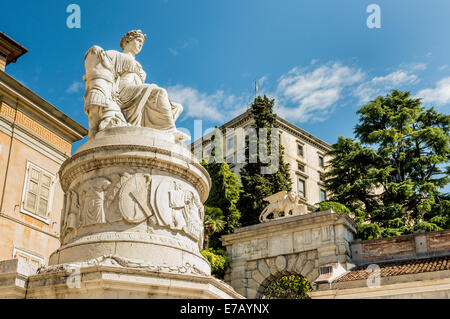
<point>42,219</point>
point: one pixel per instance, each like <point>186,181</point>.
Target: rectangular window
<point>301,187</point>
<point>323,195</point>
<point>38,190</point>
<point>301,167</point>
<point>230,143</point>
<point>299,150</point>
<point>207,151</point>
<point>321,163</point>
<point>28,257</point>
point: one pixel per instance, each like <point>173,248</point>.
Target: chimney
<point>10,51</point>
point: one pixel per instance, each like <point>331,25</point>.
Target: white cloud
<point>380,85</point>
<point>217,106</point>
<point>75,87</point>
<point>173,51</point>
<point>418,66</point>
<point>262,80</point>
<point>307,94</point>
<point>182,46</point>
<point>443,67</point>
<point>314,93</point>
<point>395,78</point>
<point>440,95</point>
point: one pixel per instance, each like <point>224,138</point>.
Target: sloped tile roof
<point>389,269</point>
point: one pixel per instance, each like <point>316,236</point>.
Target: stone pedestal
<point>132,223</point>
<point>111,280</point>
<point>135,193</point>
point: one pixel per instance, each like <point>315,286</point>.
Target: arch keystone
<point>280,263</point>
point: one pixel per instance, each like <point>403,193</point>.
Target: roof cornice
<point>285,125</point>
<point>11,49</point>
<point>48,113</point>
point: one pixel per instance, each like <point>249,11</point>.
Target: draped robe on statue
<point>142,104</point>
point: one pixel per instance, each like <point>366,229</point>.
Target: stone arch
<point>268,269</point>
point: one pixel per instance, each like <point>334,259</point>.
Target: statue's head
<point>133,40</point>
<point>292,196</point>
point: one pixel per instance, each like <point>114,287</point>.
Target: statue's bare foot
<point>181,137</point>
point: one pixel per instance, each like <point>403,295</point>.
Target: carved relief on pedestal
<point>179,209</point>
<point>92,195</point>
<point>71,212</point>
<point>135,198</point>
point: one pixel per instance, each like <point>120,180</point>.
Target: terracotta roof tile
<point>396,268</point>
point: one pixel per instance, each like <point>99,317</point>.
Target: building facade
<point>35,139</point>
<point>305,154</point>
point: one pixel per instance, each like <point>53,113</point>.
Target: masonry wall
<point>417,245</point>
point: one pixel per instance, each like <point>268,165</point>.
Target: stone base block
<point>13,278</point>
<point>20,280</point>
<point>103,282</point>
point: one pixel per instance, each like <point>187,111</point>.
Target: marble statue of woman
<point>142,104</point>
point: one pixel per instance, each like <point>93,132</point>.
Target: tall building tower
<point>35,138</point>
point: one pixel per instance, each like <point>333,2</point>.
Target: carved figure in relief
<point>177,203</point>
<point>71,213</point>
<point>116,81</point>
<point>134,198</point>
<point>282,202</point>
<point>195,215</point>
<point>179,209</point>
<point>92,194</point>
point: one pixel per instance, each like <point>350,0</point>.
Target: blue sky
<point>318,59</point>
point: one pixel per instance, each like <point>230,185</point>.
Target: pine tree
<point>257,185</point>
<point>392,177</point>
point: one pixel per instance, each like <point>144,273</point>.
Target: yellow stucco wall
<point>38,237</point>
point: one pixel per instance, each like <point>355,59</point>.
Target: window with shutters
<point>28,257</point>
<point>38,191</point>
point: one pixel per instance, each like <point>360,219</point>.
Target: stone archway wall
<point>269,269</point>
<point>294,245</point>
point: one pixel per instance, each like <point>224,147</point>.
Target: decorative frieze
<point>32,125</point>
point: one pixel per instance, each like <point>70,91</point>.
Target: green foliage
<point>224,194</point>
<point>288,287</point>
<point>369,231</point>
<point>255,184</point>
<point>425,226</point>
<point>218,260</point>
<point>214,223</point>
<point>337,207</point>
<point>391,232</point>
<point>441,221</point>
<point>393,175</point>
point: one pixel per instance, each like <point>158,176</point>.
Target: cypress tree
<point>256,184</point>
